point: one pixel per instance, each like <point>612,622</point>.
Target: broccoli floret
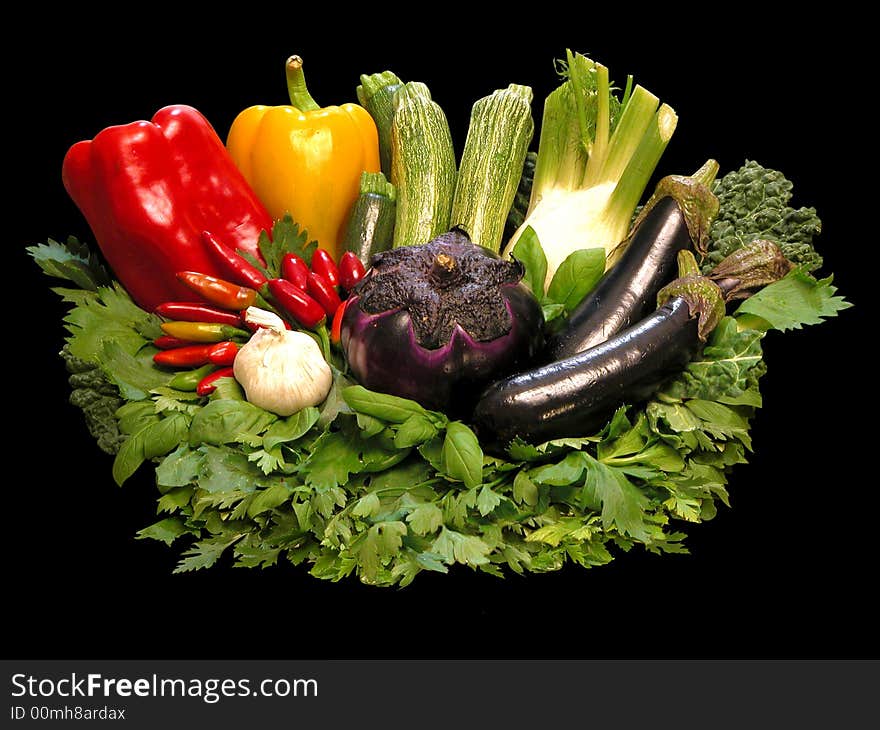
<point>98,399</point>
<point>754,204</point>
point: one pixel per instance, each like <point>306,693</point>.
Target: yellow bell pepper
<point>306,160</point>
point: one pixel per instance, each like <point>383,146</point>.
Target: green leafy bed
<point>379,487</point>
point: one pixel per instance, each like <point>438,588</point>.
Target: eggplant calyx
<point>694,196</point>
<point>749,268</point>
<point>704,298</point>
<point>446,283</point>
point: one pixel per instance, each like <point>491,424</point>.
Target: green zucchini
<point>498,139</point>
<point>376,94</point>
<point>422,166</point>
<point>520,207</point>
<point>370,226</point>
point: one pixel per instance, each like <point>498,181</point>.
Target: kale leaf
<point>755,204</point>
<point>98,398</point>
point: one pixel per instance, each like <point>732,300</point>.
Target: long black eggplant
<point>576,395</point>
<point>676,218</point>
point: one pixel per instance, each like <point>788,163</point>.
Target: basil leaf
<point>552,311</point>
<point>577,275</point>
<point>529,253</point>
<point>222,421</point>
<point>290,428</point>
<point>413,431</point>
<point>389,408</point>
<point>462,457</point>
<point>155,439</point>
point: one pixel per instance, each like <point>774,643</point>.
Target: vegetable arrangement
<point>377,359</point>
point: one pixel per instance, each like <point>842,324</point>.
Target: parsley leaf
<point>181,467</point>
<point>793,301</point>
<point>109,315</point>
<point>425,519</point>
<point>455,547</point>
<point>134,374</point>
<point>205,553</point>
<point>287,237</point>
<point>623,504</point>
<point>167,530</point>
<point>331,459</point>
<point>73,261</point>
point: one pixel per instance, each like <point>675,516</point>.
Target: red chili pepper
<point>336,329</point>
<point>351,271</point>
<point>233,265</point>
<point>323,293</point>
<point>208,385</point>
<point>195,312</point>
<point>167,342</point>
<point>223,293</point>
<point>223,353</point>
<point>324,265</point>
<point>297,303</point>
<point>191,356</point>
<point>295,270</point>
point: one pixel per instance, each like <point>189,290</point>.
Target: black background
<point>785,572</point>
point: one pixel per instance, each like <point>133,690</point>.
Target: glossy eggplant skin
<point>628,291</point>
<point>575,396</point>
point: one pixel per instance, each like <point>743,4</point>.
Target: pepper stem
<point>296,86</point>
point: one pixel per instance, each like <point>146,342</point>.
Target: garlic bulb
<point>282,371</point>
<point>257,317</point>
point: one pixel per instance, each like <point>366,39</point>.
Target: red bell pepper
<point>149,189</point>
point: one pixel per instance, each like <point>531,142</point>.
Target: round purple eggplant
<point>438,322</point>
